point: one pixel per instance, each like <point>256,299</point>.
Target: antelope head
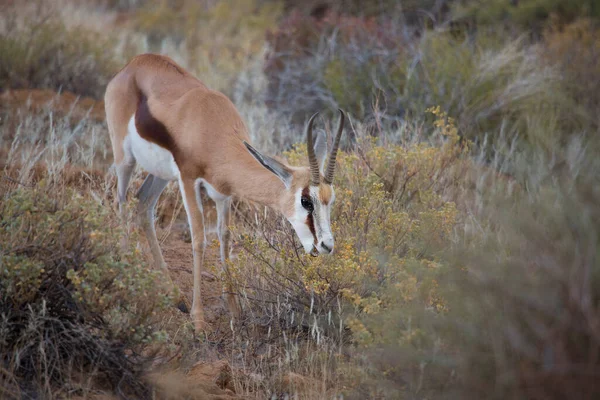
<point>309,194</point>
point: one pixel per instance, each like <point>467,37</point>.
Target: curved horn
<point>336,144</point>
<point>312,158</point>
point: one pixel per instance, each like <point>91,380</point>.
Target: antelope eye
<point>307,203</point>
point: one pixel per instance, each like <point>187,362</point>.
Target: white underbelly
<point>151,157</point>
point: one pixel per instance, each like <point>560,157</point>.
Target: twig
<point>17,182</point>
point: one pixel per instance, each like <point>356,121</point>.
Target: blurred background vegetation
<point>467,216</point>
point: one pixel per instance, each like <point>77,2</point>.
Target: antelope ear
<point>279,169</point>
<point>320,146</point>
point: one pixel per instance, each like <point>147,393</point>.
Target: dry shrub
<point>30,138</point>
<point>216,42</point>
<point>77,312</point>
<point>531,15</point>
<point>39,51</point>
<point>315,62</point>
<point>61,103</point>
<point>575,48</point>
<point>524,292</point>
<point>48,135</point>
<point>385,76</point>
<point>409,9</point>
<point>204,381</point>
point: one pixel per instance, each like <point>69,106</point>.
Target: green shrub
<point>71,301</point>
<point>495,88</point>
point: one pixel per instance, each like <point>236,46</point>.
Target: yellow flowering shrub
<point>389,220</point>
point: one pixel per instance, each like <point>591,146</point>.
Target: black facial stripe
<point>310,218</point>
<point>311,225</point>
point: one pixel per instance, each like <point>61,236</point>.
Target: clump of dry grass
<point>37,139</point>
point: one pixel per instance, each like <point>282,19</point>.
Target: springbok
<point>176,128</point>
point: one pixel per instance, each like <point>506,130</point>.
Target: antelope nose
<point>327,246</point>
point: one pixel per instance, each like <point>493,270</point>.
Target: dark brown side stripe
<point>150,128</point>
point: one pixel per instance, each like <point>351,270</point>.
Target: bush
<point>38,51</point>
<point>218,42</point>
<point>389,219</point>
<point>519,286</point>
<point>383,75</point>
<point>315,63</point>
<point>531,283</point>
<point>530,15</point>
<point>495,88</point>
<point>409,9</point>
<point>575,50</point>
<point>76,312</point>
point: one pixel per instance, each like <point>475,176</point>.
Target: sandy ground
<point>178,255</point>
